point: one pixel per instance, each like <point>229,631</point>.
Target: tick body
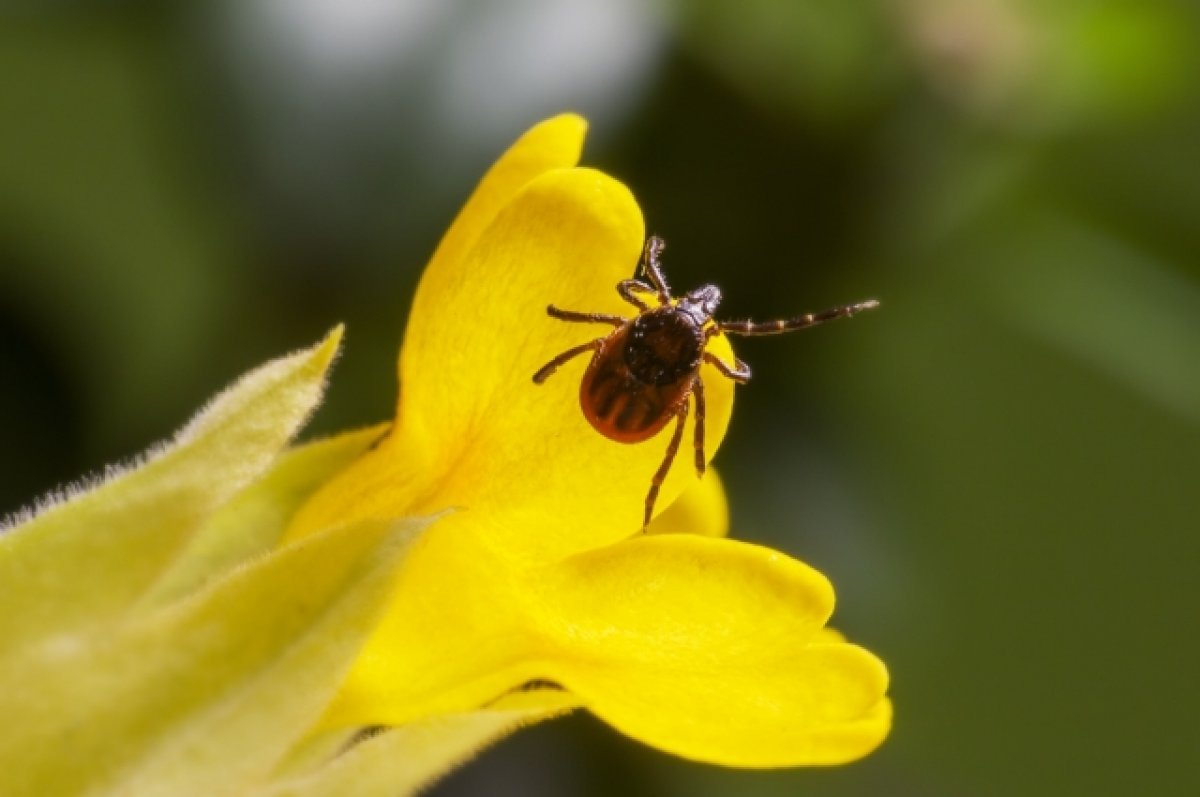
<point>641,374</point>
<point>646,371</point>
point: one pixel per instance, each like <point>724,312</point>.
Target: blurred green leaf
<point>403,760</point>
<point>1106,60</point>
<point>109,239</point>
<point>1105,304</point>
<point>83,560</point>
<point>252,523</point>
<point>205,697</point>
<point>825,60</point>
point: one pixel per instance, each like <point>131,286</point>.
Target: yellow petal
<point>712,650</point>
<point>702,509</point>
<point>553,144</point>
<point>749,719</point>
<point>474,431</point>
<point>453,640</point>
<point>412,668</point>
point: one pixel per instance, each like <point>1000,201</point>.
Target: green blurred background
<point>998,470</point>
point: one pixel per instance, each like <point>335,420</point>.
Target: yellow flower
<point>709,648</point>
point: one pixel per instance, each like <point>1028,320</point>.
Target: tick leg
<point>698,432</point>
<point>739,373</point>
<point>799,322</point>
<point>544,372</point>
<point>650,255</point>
<point>584,318</point>
<point>661,474</point>
<point>627,287</point>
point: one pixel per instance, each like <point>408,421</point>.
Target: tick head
<point>701,303</point>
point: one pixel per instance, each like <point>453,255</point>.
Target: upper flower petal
<point>474,431</point>
<point>712,649</point>
<point>555,143</point>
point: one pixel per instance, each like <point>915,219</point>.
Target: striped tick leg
<point>739,373</point>
<point>546,370</point>
<point>799,322</point>
<point>549,368</point>
<point>629,290</point>
<point>698,432</point>
<point>584,318</point>
<point>661,474</point>
<point>653,269</point>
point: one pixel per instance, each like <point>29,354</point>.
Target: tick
<point>646,372</point>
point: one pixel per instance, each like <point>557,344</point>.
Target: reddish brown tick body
<point>647,370</point>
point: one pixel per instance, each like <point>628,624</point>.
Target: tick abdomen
<point>630,391</point>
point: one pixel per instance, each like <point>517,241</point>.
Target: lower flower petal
<point>715,652</point>
<point>712,649</point>
<point>802,710</point>
<point>454,640</point>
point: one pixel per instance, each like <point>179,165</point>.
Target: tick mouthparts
<point>869,304</point>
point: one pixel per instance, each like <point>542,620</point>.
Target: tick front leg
<point>584,318</point>
<point>739,373</point>
<point>627,287</point>
<point>698,432</point>
<point>546,370</point>
<point>661,475</point>
<point>650,256</point>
